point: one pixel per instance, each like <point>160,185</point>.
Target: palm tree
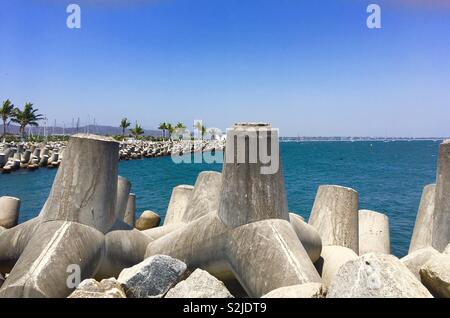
<point>203,131</point>
<point>163,127</point>
<point>180,129</point>
<point>26,117</point>
<point>200,127</point>
<point>137,131</point>
<point>6,111</point>
<point>124,124</point>
<point>213,132</point>
<point>180,125</point>
<point>170,129</point>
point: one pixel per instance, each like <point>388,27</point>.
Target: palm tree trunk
<point>21,131</point>
<point>4,128</point>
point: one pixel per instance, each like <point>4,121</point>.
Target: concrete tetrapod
<point>70,230</point>
<point>124,247</point>
<point>423,229</point>
<point>441,215</point>
<point>188,203</point>
<point>9,211</point>
<point>204,197</point>
<point>416,259</point>
<point>373,233</point>
<point>178,203</point>
<point>335,216</point>
<point>207,243</point>
<point>130,211</point>
<point>123,191</point>
<point>250,226</point>
<point>13,242</point>
<point>41,270</point>
<point>308,235</point>
<point>252,189</point>
<point>85,186</point>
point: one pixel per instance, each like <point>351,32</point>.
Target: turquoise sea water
<point>389,177</point>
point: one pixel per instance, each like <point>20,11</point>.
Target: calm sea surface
<point>389,177</point>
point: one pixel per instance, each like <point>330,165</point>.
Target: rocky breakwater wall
<point>31,156</point>
<point>130,150</point>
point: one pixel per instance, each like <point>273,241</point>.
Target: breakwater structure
<point>32,156</point>
<point>228,234</point>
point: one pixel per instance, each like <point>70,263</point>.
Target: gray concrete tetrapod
<point>441,216</point>
<point>54,157</point>
<point>85,186</point>
<point>250,227</point>
<point>70,230</point>
<point>204,197</point>
<point>188,203</point>
<point>335,216</point>
<point>373,232</point>
<point>248,193</point>
<point>423,228</point>
<point>124,247</point>
<point>177,204</point>
<point>44,157</point>
<point>2,160</point>
<point>9,211</point>
<point>13,242</point>
<point>130,211</point>
<point>123,191</point>
<point>26,156</point>
<point>37,152</point>
<point>308,235</point>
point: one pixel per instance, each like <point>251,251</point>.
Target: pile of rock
<point>156,277</point>
<point>228,229</point>
<point>130,150</point>
<point>31,156</point>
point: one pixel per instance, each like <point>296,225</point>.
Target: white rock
<point>435,275</point>
<point>376,275</point>
<point>107,288</point>
<point>308,290</point>
<point>200,284</point>
<point>153,277</point>
<point>331,259</point>
<point>416,259</point>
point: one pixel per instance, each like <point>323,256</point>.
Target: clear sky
<point>308,67</point>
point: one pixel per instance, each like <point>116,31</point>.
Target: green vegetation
<point>137,131</point>
<point>6,111</point>
<point>29,116</point>
<point>124,124</point>
<point>26,117</point>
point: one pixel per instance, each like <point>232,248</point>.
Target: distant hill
<point>97,129</point>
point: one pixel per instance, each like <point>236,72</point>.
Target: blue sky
<point>308,67</point>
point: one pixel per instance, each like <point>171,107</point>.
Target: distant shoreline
<point>355,139</point>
